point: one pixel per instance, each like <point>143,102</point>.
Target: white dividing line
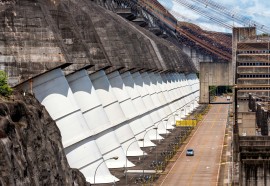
<point>221,155</point>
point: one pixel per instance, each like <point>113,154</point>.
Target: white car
<point>190,152</point>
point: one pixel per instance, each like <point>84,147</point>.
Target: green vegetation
<point>5,89</point>
<point>219,90</point>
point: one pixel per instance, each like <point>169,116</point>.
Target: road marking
<point>221,152</point>
<point>201,122</point>
<point>207,141</point>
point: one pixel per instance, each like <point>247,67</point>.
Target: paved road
<point>207,142</point>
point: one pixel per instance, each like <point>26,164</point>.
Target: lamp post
<point>114,158</point>
<point>169,119</point>
<point>127,154</point>
<point>155,128</point>
<point>156,136</point>
<point>181,113</point>
<point>174,114</point>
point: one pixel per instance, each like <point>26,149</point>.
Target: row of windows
<point>247,99</point>
<point>254,76</point>
<point>254,52</point>
<point>257,88</point>
<point>254,64</point>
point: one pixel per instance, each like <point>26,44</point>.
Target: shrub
<point>5,89</point>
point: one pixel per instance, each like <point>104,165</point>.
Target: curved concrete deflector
<point>181,79</point>
<point>163,86</point>
<point>171,120</point>
<point>155,95</point>
<point>128,108</point>
<point>174,84</point>
<point>110,145</point>
<point>154,80</point>
<point>139,104</point>
<point>96,118</point>
<point>192,95</point>
<point>88,101</point>
<point>130,145</point>
<point>114,112</point>
<point>53,91</point>
<point>164,107</point>
<point>181,101</point>
<point>121,95</point>
<point>133,93</point>
<point>173,93</point>
<point>86,157</point>
<point>155,114</point>
<point>188,94</point>
<point>107,98</point>
<point>195,88</point>
<point>150,89</point>
<point>139,84</point>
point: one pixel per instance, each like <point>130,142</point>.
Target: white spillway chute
<point>153,110</point>
<point>84,157</point>
<point>96,119</point>
<point>139,104</point>
<point>164,88</point>
<point>154,80</point>
<point>128,108</point>
<point>53,91</point>
<point>115,113</point>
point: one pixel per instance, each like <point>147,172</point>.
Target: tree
<point>5,89</point>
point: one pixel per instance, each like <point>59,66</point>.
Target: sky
<point>256,10</point>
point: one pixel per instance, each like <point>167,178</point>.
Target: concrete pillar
<point>179,88</point>
<point>52,91</point>
<point>154,82</point>
<point>140,105</point>
<point>170,104</point>
<point>187,91</point>
<point>141,87</point>
<point>129,109</point>
<point>96,118</point>
<point>164,89</point>
<point>164,110</point>
<point>194,83</point>
<point>115,114</point>
<point>171,89</point>
<point>167,92</point>
<point>158,115</point>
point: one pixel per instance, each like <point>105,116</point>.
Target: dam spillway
<point>112,90</point>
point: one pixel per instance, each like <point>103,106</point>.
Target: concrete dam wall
<point>110,86</point>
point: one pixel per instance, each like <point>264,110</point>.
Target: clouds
<point>257,10</point>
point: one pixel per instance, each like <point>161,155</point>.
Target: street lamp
<point>127,155</point>
<point>155,128</point>
<point>169,119</point>
<point>114,158</point>
<point>156,136</point>
<point>181,113</point>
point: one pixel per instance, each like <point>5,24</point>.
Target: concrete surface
<point>207,142</point>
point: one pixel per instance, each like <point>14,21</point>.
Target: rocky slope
<point>31,152</point>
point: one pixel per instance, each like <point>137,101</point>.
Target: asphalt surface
<point>207,142</point>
